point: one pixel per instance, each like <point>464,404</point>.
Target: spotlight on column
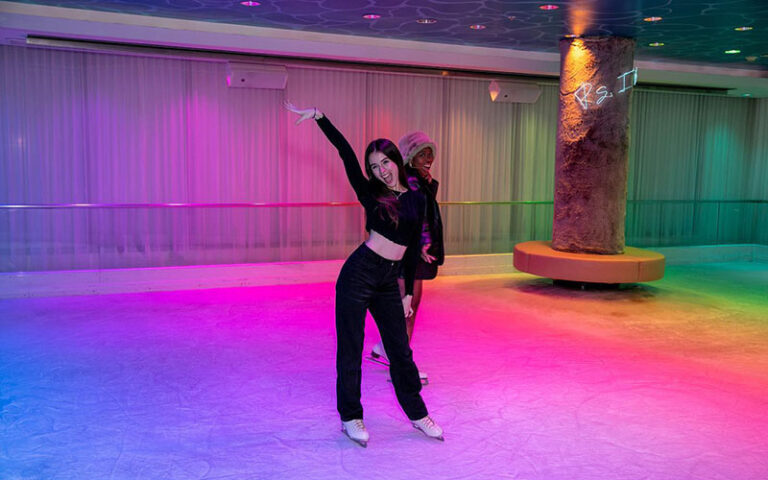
<point>251,75</point>
<point>513,92</point>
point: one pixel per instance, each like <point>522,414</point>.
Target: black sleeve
<point>411,257</point>
<point>431,217</point>
<point>351,165</point>
<point>432,187</point>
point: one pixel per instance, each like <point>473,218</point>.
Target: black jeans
<point>369,282</point>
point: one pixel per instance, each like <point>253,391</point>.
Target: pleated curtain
<point>157,162</point>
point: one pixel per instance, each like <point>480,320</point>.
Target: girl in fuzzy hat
<point>418,152</point>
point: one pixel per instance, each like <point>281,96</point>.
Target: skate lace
<point>358,424</point>
<point>428,423</point>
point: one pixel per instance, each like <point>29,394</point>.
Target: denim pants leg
<point>353,293</point>
<point>368,281</point>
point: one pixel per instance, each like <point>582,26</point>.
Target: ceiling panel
<point>690,31</point>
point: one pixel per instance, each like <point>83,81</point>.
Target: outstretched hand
<point>304,113</point>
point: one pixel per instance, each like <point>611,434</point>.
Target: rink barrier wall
<point>95,282</point>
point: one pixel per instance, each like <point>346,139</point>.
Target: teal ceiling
<point>691,31</point>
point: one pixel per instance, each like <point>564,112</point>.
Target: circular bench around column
<point>634,265</point>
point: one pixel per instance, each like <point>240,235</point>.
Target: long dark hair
<point>380,191</point>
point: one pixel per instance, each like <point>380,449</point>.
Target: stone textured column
<point>596,77</point>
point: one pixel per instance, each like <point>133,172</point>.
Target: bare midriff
<point>385,247</point>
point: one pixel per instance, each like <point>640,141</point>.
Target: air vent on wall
<point>514,92</point>
<point>251,75</point>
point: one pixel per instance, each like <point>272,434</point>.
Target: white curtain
<point>757,171</point>
<point>693,161</point>
<point>121,139</point>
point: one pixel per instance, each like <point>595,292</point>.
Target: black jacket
<point>433,218</point>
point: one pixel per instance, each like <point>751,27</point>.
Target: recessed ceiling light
<point>570,35</point>
<point>731,52</point>
<point>512,17</point>
<point>371,16</point>
<point>548,7</point>
<point>746,94</point>
<point>250,4</point>
<point>656,44</point>
<point>652,19</point>
<point>426,21</point>
<point>477,26</point>
<point>743,29</point>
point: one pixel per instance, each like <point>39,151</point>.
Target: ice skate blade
<point>377,359</point>
<point>424,381</point>
<point>362,443</point>
<point>441,438</point>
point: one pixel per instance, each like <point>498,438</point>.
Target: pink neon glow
<point>531,381</point>
<point>477,26</point>
<point>548,7</point>
<point>250,3</point>
<point>371,16</point>
<point>45,206</point>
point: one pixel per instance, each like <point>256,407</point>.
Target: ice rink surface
<point>667,380</point>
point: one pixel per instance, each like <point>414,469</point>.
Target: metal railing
<point>117,235</point>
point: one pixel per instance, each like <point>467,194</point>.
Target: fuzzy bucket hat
<point>412,143</point>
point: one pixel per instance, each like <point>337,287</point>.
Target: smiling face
<point>422,161</point>
<point>384,169</point>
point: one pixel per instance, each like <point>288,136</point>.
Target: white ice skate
<point>355,430</point>
<point>429,427</point>
<point>378,354</point>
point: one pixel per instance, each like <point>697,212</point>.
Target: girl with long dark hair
<point>368,280</point>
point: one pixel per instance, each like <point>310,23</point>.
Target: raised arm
<point>351,165</point>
